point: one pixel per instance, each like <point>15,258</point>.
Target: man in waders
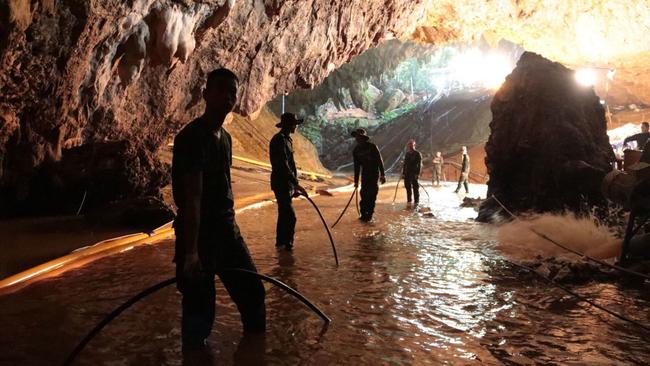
<point>284,179</point>
<point>438,161</point>
<point>464,172</point>
<point>208,239</point>
<point>411,172</point>
<point>368,162</point>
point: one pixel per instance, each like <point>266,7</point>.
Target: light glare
<point>586,77</point>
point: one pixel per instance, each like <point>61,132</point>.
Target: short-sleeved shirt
<point>197,149</point>
<point>640,138</point>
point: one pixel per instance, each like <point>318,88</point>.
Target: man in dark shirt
<point>464,172</point>
<point>411,172</point>
<point>368,162</point>
<point>640,138</point>
<point>208,239</point>
<point>284,179</point>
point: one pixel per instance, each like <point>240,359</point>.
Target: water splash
<point>518,241</point>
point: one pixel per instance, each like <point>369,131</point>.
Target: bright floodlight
<point>496,68</point>
<point>586,77</point>
<point>473,67</point>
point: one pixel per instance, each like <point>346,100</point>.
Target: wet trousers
<point>369,190</point>
<point>286,225</point>
<point>464,177</point>
<point>246,291</point>
<point>411,184</point>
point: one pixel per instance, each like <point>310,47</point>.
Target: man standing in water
<point>640,138</point>
<point>207,237</point>
<point>411,172</point>
<point>464,172</point>
<point>368,162</point>
<point>284,179</point>
<point>438,161</point>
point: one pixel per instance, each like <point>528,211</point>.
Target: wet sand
<point>411,289</point>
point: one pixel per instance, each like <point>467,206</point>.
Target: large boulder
<point>364,95</point>
<point>390,100</point>
<point>548,148</point>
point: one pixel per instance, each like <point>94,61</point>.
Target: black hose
<point>112,315</point>
<point>336,257</point>
<point>425,191</point>
<point>580,297</point>
<point>396,186</point>
<point>356,201</point>
<point>170,281</point>
<point>545,237</point>
<point>346,207</point>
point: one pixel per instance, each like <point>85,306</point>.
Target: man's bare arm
<point>191,207</point>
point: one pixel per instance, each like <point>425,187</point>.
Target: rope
<point>543,236</point>
<point>354,192</point>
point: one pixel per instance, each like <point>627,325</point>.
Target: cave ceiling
<point>73,71</point>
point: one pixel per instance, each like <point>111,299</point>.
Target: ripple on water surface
<point>411,289</point>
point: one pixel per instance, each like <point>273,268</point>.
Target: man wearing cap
<point>284,179</point>
<point>411,172</point>
<point>368,162</point>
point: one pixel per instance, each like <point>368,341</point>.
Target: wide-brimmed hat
<point>288,119</point>
<point>361,133</point>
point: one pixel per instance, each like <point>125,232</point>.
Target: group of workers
<point>208,240</point>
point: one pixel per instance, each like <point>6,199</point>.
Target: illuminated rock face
<point>600,33</point>
<point>548,148</point>
<point>77,72</point>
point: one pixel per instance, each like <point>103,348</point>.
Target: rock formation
<point>79,73</point>
<point>548,148</point>
<point>76,72</point>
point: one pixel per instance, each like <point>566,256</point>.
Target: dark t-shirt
<point>412,163</point>
<point>640,138</point>
<point>197,149</point>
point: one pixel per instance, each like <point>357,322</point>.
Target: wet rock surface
<point>548,148</point>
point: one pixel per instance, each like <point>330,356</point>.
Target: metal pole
<point>282,104</point>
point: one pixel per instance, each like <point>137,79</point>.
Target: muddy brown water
<point>410,290</point>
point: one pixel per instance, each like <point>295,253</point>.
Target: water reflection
<point>411,289</point>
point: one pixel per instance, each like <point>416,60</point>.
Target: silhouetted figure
<point>438,161</point>
<point>368,163</point>
<point>640,138</point>
<point>464,172</point>
<point>411,172</point>
<point>208,239</point>
<point>284,179</point>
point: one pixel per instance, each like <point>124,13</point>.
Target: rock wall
<point>548,148</point>
<point>76,72</point>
